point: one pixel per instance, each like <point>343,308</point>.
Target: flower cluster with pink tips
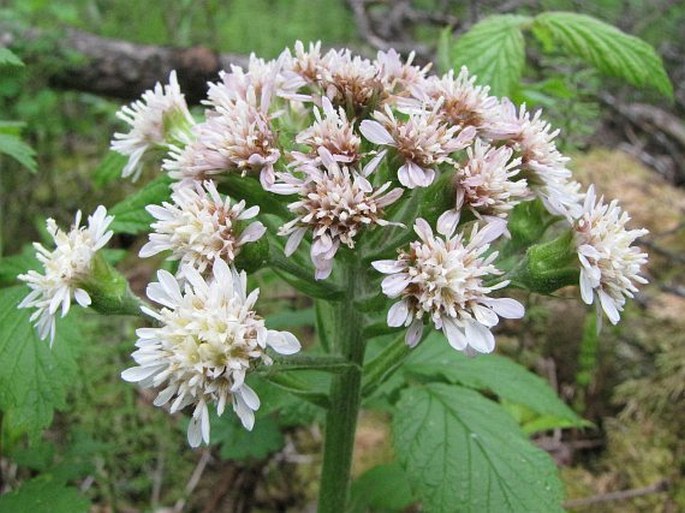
<point>337,158</point>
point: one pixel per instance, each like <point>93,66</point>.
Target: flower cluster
<point>342,152</point>
<point>65,269</point>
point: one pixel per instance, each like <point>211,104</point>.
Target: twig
<point>659,486</point>
<point>193,481</point>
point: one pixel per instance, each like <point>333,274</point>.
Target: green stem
<point>345,399</point>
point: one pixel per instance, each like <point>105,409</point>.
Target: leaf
<point>463,453</point>
<point>44,495</point>
<point>9,58</point>
<point>130,215</point>
<point>109,169</point>
<point>491,372</point>
<point>605,47</point>
<point>237,443</point>
<point>291,319</point>
<point>494,51</point>
<point>14,265</point>
<point>34,379</point>
<point>14,147</point>
<point>384,487</point>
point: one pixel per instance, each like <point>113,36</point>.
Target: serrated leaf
<point>493,373</point>
<point>237,443</point>
<point>34,379</point>
<point>605,47</point>
<point>130,215</point>
<point>9,58</point>
<point>494,50</point>
<point>44,495</point>
<point>383,488</point>
<point>464,454</point>
<point>13,146</point>
<point>109,169</point>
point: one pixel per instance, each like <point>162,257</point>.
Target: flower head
<point>208,339</point>
<point>236,138</point>
<point>200,227</point>
<point>610,264</point>
<point>65,269</point>
<point>484,184</point>
<point>423,141</point>
<point>335,203</point>
<point>332,131</point>
<point>443,279</point>
<point>160,117</point>
<point>542,163</point>
<point>350,81</point>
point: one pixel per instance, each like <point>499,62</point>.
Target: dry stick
<point>194,480</point>
<point>659,486</point>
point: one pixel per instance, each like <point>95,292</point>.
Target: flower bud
<point>253,256</point>
<point>549,266</point>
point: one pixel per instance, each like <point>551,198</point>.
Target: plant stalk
<point>345,398</point>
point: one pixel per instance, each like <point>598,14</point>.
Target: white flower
<point>333,131</point>
<point>335,203</point>
<point>351,81</point>
<point>303,69</point>
<point>423,141</point>
<point>397,76</point>
<point>160,117</point>
<point>610,265</point>
<point>208,339</point>
<point>200,227</point>
<point>543,165</point>
<point>65,268</point>
<point>443,279</point>
<point>462,103</point>
<point>237,137</point>
<point>484,184</point>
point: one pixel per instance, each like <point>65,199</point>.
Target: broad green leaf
<point>11,127</point>
<point>14,265</point>
<point>109,169</point>
<point>14,147</point>
<point>130,215</point>
<point>493,373</point>
<point>237,443</point>
<point>464,454</point>
<point>383,488</point>
<point>44,495</point>
<point>8,58</point>
<point>605,47</point>
<point>291,319</point>
<point>34,379</point>
<point>494,50</point>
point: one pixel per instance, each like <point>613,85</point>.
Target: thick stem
<point>345,399</point>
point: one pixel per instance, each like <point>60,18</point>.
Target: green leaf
<point>14,147</point>
<point>34,379</point>
<point>382,488</point>
<point>494,50</point>
<point>44,495</point>
<point>130,215</point>
<point>237,443</point>
<point>463,453</point>
<point>291,319</point>
<point>14,265</point>
<point>9,58</point>
<point>605,47</point>
<point>493,373</point>
<point>109,169</point>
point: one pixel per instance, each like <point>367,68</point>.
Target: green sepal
<point>253,256</point>
<point>549,266</point>
<point>109,290</point>
<point>248,188</point>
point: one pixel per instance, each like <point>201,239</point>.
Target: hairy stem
<point>345,399</point>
